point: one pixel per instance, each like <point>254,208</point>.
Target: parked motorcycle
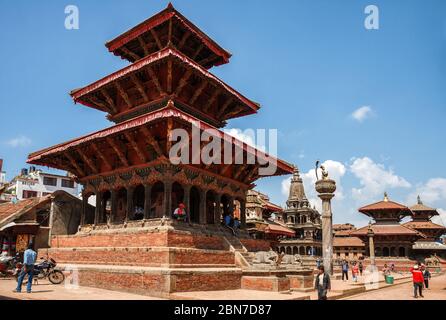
<point>9,265</point>
<point>46,269</point>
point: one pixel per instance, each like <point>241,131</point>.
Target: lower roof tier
<point>145,140</point>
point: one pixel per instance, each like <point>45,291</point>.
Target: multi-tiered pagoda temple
<point>127,167</point>
<point>167,86</point>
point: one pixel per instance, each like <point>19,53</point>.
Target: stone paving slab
<point>240,294</point>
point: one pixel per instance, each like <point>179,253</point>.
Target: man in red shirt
<point>418,280</point>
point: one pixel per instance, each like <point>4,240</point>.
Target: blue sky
<point>310,63</point>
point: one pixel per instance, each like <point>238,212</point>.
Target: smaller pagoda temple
<point>390,237</point>
<point>421,222</point>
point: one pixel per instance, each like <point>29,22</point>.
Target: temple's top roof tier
<point>386,211</point>
<point>168,26</point>
<point>421,212</point>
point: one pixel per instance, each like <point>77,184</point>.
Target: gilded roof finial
<point>419,200</point>
<point>386,197</point>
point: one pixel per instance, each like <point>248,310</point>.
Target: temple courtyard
<point>400,290</point>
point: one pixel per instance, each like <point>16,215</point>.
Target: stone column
<point>202,210</point>
<point>113,205</point>
<point>97,213</point>
<point>371,235</point>
<point>243,214</point>
<point>326,188</point>
<point>130,206</point>
<point>167,199</point>
<point>147,200</point>
<point>217,211</point>
<point>186,199</point>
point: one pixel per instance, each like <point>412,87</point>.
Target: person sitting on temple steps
<point>180,212</point>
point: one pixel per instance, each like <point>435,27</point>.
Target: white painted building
<point>38,184</point>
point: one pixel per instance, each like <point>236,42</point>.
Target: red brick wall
<point>255,245</point>
<point>140,256</point>
<point>276,284</point>
<point>207,282</point>
<point>140,239</point>
<point>159,284</point>
<point>141,283</point>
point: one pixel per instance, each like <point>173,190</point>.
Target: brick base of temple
<point>161,260</point>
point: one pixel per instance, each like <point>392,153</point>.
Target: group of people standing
<point>357,269</point>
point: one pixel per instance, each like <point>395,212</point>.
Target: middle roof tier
<point>165,74</point>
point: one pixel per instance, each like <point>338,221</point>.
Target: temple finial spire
<point>386,197</point>
<point>419,200</point>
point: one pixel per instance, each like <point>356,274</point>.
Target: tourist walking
<point>361,268</point>
<point>345,270</point>
<point>29,258</point>
<point>426,275</point>
<point>355,272</point>
<point>418,281</point>
<point>322,284</point>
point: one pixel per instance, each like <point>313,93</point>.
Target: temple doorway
<point>138,202</point>
<point>177,196</point>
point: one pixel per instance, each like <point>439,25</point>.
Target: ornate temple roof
<point>423,225</point>
<point>138,85</point>
<point>382,229</point>
<point>386,210</point>
<point>275,228</point>
<point>347,242</point>
<point>52,155</point>
<point>168,26</point>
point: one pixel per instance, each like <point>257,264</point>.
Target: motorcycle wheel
<point>56,277</point>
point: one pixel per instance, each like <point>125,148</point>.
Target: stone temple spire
<point>297,197</point>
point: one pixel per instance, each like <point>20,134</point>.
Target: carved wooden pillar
<point>130,205</point>
<point>147,200</point>
<point>231,205</point>
<point>217,212</point>
<point>97,213</point>
<point>243,214</point>
<point>114,205</point>
<point>187,200</point>
<point>202,211</point>
<point>167,203</point>
<point>84,208</point>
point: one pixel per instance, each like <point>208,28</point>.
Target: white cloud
<point>20,141</point>
<point>374,178</point>
<point>362,113</point>
<point>433,194</point>
<point>247,136</point>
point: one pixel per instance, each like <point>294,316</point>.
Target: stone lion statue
<point>289,259</point>
<point>432,261</point>
<point>265,257</point>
